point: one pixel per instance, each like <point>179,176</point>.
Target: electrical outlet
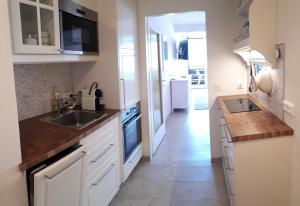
<point>289,108</point>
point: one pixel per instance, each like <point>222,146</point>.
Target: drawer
<point>131,163</point>
<point>103,187</point>
<point>101,147</point>
<point>227,134</point>
<point>99,159</point>
<point>230,182</point>
<point>99,136</point>
<point>222,121</point>
<point>229,156</point>
<point>220,112</point>
<point>223,133</point>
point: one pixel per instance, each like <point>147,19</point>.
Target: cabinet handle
<point>83,153</point>
<point>102,154</point>
<point>105,173</point>
<point>222,131</point>
<point>124,100</point>
<point>133,121</point>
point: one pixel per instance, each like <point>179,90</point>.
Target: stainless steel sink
<point>75,119</point>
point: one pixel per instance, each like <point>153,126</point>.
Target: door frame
<point>162,130</point>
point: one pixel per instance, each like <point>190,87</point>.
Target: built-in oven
<point>78,29</point>
<point>132,134</point>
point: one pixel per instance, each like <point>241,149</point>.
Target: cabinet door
<point>130,93</point>
<point>35,26</point>
<point>104,188</point>
<point>127,11</point>
<point>263,38</point>
<point>180,94</point>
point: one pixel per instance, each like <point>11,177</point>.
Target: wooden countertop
<point>253,125</point>
<point>41,140</point>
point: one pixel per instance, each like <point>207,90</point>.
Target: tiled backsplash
<point>274,102</point>
<point>35,85</point>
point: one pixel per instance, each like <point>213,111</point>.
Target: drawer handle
<point>102,154</point>
<point>102,177</point>
<point>83,153</point>
<point>228,135</point>
<point>226,156</point>
<point>223,131</point>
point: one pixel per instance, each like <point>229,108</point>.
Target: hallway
<point>181,173</point>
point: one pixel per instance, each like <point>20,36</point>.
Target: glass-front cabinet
<point>35,26</point>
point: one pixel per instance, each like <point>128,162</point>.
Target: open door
<point>156,90</point>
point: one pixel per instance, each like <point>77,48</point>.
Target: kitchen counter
<point>41,140</point>
<point>253,125</point>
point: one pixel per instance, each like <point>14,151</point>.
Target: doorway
<point>156,88</point>
<point>176,55</point>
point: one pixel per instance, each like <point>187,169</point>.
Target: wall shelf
<point>38,59</point>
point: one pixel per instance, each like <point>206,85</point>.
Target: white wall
<point>105,70</point>
<point>289,33</point>
<point>224,68</point>
<point>12,181</point>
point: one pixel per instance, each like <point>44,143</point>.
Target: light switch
<point>289,108</point>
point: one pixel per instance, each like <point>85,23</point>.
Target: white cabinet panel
<point>127,11</point>
<point>130,79</point>
<point>128,59</point>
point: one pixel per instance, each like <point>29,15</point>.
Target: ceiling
<point>192,19</point>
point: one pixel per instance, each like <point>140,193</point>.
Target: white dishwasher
<point>58,181</point>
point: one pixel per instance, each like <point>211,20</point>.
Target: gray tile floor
<point>181,173</point>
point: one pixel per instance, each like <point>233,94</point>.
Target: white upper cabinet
<point>35,26</point>
<point>127,13</point>
<point>259,44</point>
<point>263,28</point>
<point>128,55</point>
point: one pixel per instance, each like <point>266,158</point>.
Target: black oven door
<point>132,135</point>
<point>78,35</point>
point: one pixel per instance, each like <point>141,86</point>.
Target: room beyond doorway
<point>182,63</point>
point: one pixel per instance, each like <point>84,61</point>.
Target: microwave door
<point>78,35</point>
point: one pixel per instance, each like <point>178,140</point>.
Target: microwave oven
<point>78,29</point>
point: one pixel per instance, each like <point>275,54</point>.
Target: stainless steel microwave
<point>78,29</point>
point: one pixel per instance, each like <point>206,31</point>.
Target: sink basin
<point>75,119</point>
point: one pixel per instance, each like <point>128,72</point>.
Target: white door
<point>60,184</point>
<point>158,125</point>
